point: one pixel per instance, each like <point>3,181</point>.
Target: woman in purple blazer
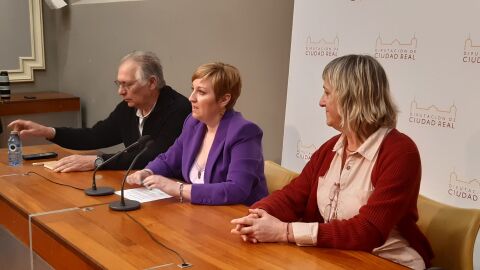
<point>219,153</point>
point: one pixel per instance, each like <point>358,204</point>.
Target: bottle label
<point>12,147</point>
<point>14,150</point>
<point>4,79</point>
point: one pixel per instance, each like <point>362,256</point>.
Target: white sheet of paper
<point>87,2</point>
<point>50,164</point>
<point>55,4</point>
<point>143,194</point>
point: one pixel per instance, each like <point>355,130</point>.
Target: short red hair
<point>225,80</point>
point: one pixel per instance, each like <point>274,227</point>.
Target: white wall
<point>431,53</point>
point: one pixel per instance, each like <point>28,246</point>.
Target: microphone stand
<point>102,191</point>
<point>125,204</point>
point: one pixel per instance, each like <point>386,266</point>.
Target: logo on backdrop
<point>396,50</point>
<point>305,151</point>
<point>463,189</point>
<point>471,52</point>
<point>322,47</point>
<point>432,116</point>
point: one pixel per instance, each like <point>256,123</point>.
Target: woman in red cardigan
<point>359,190</point>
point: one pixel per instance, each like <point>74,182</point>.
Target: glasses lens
<point>125,85</point>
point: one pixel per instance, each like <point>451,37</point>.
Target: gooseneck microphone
<point>102,191</point>
<point>123,204</point>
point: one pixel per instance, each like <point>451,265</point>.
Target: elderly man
<point>149,107</point>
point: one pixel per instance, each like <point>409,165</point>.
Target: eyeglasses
<point>331,208</point>
<point>126,85</point>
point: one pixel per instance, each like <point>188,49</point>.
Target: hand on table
<point>138,177</point>
<point>75,163</point>
<point>259,226</point>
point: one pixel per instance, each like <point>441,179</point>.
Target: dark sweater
<point>164,125</point>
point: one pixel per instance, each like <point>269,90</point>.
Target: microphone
<point>102,191</point>
<point>123,204</point>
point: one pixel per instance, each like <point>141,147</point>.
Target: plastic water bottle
<point>14,149</point>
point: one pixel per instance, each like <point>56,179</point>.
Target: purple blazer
<point>234,170</point>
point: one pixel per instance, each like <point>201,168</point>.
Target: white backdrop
<point>431,53</point>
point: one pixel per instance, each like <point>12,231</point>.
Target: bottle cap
<point>13,132</point>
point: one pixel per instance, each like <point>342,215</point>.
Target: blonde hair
<point>225,80</point>
<point>361,87</point>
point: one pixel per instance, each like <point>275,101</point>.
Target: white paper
<point>143,194</point>
<point>50,164</point>
<point>55,4</point>
<point>87,2</point>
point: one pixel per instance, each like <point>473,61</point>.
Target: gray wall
<point>250,34</point>
<point>84,43</point>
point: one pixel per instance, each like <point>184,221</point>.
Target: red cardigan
<point>396,178</point>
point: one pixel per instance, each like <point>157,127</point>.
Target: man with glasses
<point>149,107</point>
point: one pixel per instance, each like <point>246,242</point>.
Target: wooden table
<point>90,236</point>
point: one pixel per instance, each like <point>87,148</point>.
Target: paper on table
<point>47,164</point>
<point>143,194</point>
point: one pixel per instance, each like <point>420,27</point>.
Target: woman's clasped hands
<point>259,226</point>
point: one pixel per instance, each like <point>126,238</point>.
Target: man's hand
<point>75,163</point>
<point>32,129</point>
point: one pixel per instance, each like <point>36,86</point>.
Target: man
<point>149,107</point>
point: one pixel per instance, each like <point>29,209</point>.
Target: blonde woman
<point>359,190</point>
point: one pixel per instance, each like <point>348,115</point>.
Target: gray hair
<point>149,66</point>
